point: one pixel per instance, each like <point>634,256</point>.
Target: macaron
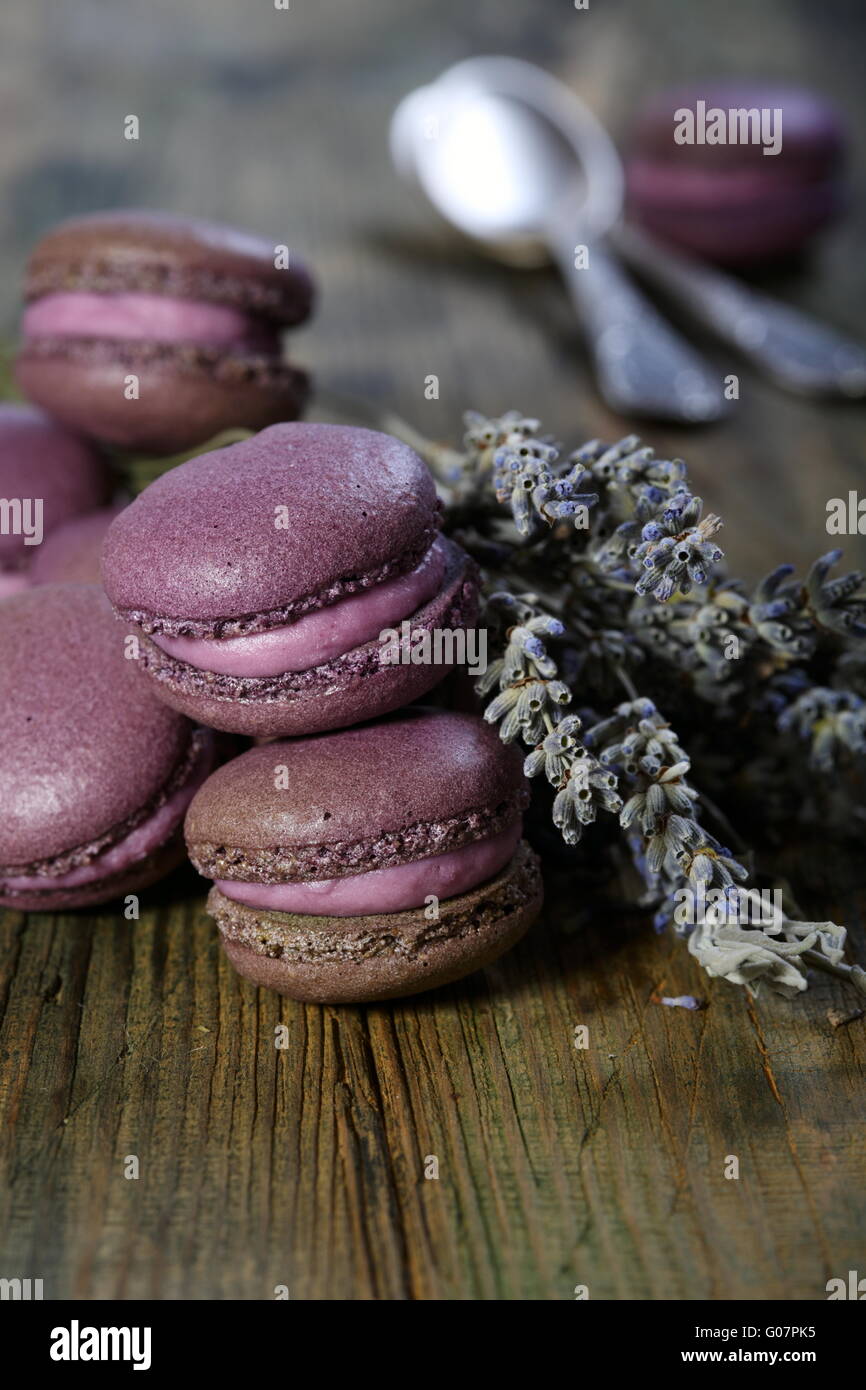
<point>262,578</point>
<point>96,774</point>
<point>369,863</point>
<point>730,202</point>
<point>47,477</point>
<point>152,332</point>
<point>73,553</point>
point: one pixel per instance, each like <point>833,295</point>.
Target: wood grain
<point>304,1165</point>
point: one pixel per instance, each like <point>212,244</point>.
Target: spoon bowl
<point>521,167</point>
<point>489,169</point>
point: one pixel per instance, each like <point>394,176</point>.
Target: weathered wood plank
<point>305,1167</point>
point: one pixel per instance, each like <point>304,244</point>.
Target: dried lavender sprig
<point>529,707</point>
<point>676,550</point>
<point>833,721</point>
<point>647,753</point>
<point>779,617</point>
<point>527,477</point>
<point>679,854</point>
<point>838,606</point>
<point>793,617</point>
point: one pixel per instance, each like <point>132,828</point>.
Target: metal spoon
<point>509,177</point>
<point>802,356</point>
<point>545,153</point>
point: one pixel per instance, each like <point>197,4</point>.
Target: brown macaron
<point>371,863</point>
<point>152,332</point>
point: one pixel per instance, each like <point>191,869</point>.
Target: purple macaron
<point>73,553</point>
<point>95,773</point>
<point>369,863</point>
<point>698,176</point>
<point>153,332</point>
<point>263,576</point>
<point>47,477</point>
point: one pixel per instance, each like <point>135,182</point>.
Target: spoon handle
<point>798,353</point>
<point>642,364</point>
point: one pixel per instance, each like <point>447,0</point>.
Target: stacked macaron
<point>277,587</point>
<point>95,772</point>
<point>49,479</point>
<point>262,579</point>
<point>152,332</point>
<point>369,863</point>
<point>262,576</point>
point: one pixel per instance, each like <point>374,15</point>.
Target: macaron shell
<point>813,137</point>
<point>724,224</point>
<point>185,394</point>
<point>72,553</point>
<point>40,459</point>
<point>84,743</point>
<point>163,253</point>
<point>378,794</point>
<point>139,875</point>
<point>202,542</point>
<point>333,960</point>
<point>347,690</point>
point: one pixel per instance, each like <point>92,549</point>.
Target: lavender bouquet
<point>624,658</point>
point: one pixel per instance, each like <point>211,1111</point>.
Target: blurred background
<point>277,120</point>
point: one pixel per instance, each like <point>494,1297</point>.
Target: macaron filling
<point>395,889</point>
<point>319,636</point>
<point>152,317</point>
<point>143,840</point>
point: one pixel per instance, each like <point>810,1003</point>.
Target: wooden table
<point>304,1166</point>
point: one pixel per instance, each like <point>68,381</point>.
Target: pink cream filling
<point>317,637</point>
<point>384,890</point>
<point>138,844</point>
<point>155,317</point>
